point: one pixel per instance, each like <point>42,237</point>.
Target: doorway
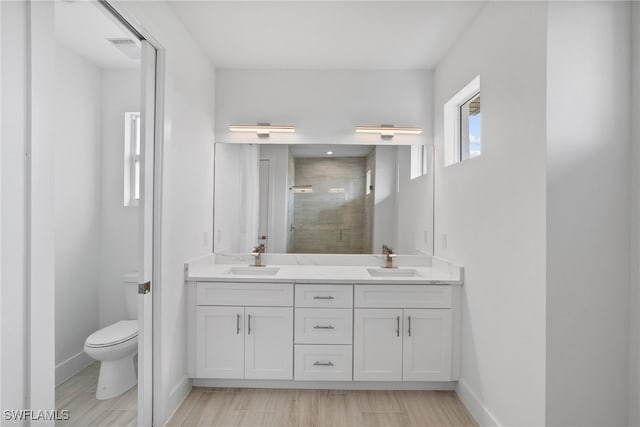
<point>104,205</point>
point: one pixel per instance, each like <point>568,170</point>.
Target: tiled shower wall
<point>330,218</point>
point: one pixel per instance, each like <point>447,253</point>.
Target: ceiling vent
<point>127,46</point>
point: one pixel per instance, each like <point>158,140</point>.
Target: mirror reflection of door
<point>264,197</point>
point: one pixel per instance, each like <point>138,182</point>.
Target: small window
<point>470,145</point>
<point>131,159</point>
<point>418,161</point>
<point>462,125</point>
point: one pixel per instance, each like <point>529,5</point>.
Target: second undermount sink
<point>253,271</point>
<point>392,272</point>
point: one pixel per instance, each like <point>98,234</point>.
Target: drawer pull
<point>323,327</point>
<point>398,326</point>
<point>249,324</point>
<point>316,363</point>
<point>409,325</point>
<point>237,324</point>
<point>321,297</point>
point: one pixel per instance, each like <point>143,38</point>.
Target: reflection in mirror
<point>338,199</point>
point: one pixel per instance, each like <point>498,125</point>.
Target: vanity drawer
<point>339,296</point>
<point>403,296</point>
<point>323,363</point>
<point>247,294</point>
<point>323,325</point>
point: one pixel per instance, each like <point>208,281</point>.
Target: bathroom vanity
<point>323,321</point>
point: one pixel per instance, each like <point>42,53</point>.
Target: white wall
<point>634,332</point>
<point>588,123</point>
<point>227,197</point>
<point>119,224</point>
<point>13,139</point>
<point>77,208</point>
<point>187,205</point>
<point>278,156</point>
<point>492,209</point>
<point>324,105</point>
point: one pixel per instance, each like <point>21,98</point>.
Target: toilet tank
<point>130,281</point>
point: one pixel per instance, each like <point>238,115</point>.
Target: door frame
<point>134,25</point>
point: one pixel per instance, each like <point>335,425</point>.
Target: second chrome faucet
<point>257,254</point>
<point>386,250</point>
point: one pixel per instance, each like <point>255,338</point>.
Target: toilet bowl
<point>116,346</point>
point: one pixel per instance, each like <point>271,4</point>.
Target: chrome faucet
<point>257,253</point>
<point>386,250</point>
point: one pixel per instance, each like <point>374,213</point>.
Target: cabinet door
<point>427,345</point>
<point>269,343</point>
<point>377,344</point>
<point>219,342</point>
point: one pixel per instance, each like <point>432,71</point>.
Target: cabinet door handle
<point>237,324</point>
<point>323,327</point>
<point>316,363</point>
<point>398,326</point>
<point>321,297</point>
<point>248,324</point>
<point>409,325</point>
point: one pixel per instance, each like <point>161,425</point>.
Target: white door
<point>427,345</point>
<point>219,342</point>
<point>377,344</point>
<point>146,227</point>
<point>268,343</point>
<point>263,205</point>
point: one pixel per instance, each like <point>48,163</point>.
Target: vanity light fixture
<point>263,130</point>
<point>388,131</point>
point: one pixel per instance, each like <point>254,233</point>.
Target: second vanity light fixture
<point>263,130</point>
<point>388,131</point>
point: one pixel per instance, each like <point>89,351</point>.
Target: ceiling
<point>394,35</point>
<point>85,26</point>
<point>342,150</point>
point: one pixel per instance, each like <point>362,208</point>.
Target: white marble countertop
<point>427,270</point>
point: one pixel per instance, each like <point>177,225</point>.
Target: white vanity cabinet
<point>411,341</point>
<point>238,341</point>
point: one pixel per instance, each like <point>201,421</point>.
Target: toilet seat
<point>112,335</point>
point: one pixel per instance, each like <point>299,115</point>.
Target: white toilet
<point>116,345</point>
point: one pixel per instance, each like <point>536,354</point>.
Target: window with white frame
<point>462,125</point>
<point>418,161</point>
<point>131,158</point>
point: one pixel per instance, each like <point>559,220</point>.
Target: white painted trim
<point>327,385</point>
<point>71,366</point>
<point>476,406</point>
<point>178,394</point>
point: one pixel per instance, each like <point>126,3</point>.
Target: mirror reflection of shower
<point>332,203</point>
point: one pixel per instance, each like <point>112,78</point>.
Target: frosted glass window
<point>132,150</point>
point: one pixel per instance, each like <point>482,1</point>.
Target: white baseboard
<point>474,404</point>
<point>324,385</point>
<point>177,395</point>
<point>72,366</point>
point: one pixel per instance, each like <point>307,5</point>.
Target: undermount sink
<point>392,272</point>
<point>253,271</point>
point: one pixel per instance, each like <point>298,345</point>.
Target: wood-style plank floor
<point>320,408</point>
<point>78,396</point>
